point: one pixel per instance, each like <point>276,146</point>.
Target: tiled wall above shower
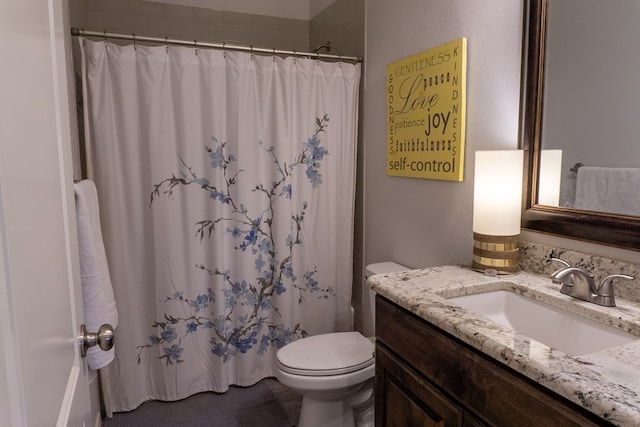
<point>342,23</point>
<point>191,23</point>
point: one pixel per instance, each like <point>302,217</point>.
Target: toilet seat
<point>327,354</point>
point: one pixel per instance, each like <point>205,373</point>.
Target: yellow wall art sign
<point>426,96</point>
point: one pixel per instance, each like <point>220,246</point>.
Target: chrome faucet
<point>579,283</point>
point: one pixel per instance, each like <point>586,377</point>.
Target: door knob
<point>104,338</point>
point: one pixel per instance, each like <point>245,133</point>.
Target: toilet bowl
<point>334,373</point>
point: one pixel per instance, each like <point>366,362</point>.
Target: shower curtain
<point>226,184</point>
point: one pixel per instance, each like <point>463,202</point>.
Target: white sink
<point>552,326</point>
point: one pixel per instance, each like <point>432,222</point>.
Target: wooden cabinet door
<point>403,399</point>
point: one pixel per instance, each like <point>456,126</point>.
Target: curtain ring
<point>195,46</point>
<point>166,44</point>
<point>134,42</point>
<point>251,46</point>
<point>274,55</point>
<point>224,51</point>
<point>105,38</point>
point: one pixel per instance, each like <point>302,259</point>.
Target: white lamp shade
<point>550,175</point>
<point>497,195</point>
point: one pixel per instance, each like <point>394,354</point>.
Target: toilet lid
<point>326,354</point>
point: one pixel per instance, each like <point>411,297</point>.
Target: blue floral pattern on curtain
<point>245,324</point>
<point>218,255</point>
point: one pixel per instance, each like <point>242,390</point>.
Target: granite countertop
<point>606,383</point>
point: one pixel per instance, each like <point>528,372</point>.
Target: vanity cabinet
<point>426,377</point>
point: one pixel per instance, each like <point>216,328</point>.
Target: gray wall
<point>420,222</point>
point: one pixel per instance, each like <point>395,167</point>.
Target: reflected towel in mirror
<point>613,190</point>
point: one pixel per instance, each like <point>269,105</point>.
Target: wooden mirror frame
<point>608,229</point>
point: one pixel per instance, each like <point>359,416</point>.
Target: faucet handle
<point>605,290</point>
<point>554,279</point>
<point>566,264</point>
<point>606,286</point>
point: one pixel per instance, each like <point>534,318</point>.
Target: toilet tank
<point>369,318</point>
<point>384,268</point>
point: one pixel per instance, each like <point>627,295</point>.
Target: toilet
<point>334,372</point>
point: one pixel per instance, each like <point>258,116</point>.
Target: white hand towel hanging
<point>99,304</point>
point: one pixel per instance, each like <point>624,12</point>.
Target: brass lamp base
<point>498,253</point>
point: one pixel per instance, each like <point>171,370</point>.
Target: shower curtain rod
<point>195,43</point>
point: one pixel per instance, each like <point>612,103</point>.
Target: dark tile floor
<point>289,399</point>
<point>268,403</point>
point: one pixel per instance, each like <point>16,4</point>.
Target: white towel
<point>99,304</point>
<point>614,190</point>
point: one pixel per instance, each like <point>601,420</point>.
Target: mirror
<point>568,70</point>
